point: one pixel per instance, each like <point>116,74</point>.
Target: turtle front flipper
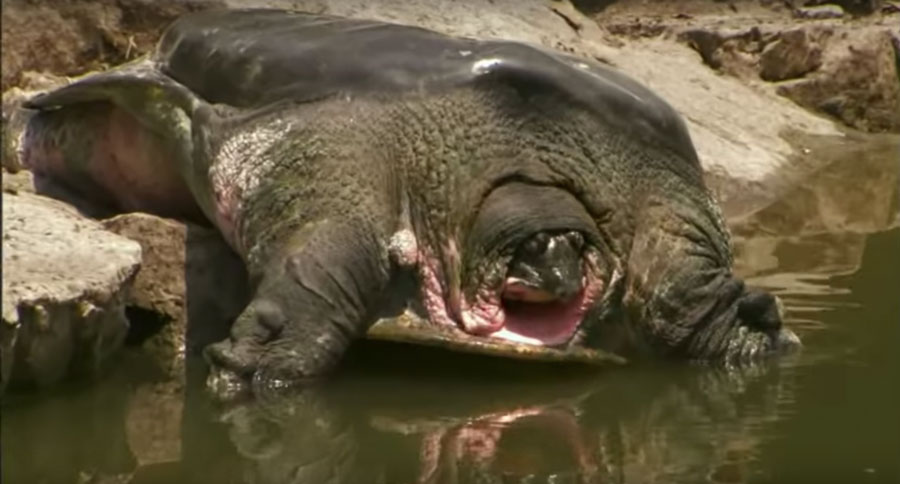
<point>129,139</point>
<point>315,297</point>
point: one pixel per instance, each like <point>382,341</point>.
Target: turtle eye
<point>576,240</point>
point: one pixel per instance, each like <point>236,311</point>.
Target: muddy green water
<point>831,414</point>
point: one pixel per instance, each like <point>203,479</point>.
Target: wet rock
<point>846,71</point>
<point>190,288</point>
<point>793,55</point>
<point>65,281</point>
<point>860,7</point>
<point>858,81</point>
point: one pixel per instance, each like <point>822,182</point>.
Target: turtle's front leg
<point>313,299</point>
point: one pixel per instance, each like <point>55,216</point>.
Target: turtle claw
<point>260,323</point>
<point>238,367</point>
<point>225,384</point>
<point>230,366</point>
<point>237,358</point>
<point>268,381</point>
<point>267,351</point>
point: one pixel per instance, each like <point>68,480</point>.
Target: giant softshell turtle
<point>339,156</point>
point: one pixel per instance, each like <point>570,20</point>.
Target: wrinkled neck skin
<point>657,257</point>
<point>680,292</point>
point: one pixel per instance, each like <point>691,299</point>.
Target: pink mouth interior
<point>544,323</point>
<point>514,313</point>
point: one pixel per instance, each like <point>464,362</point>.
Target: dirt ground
<point>70,37</point>
<point>839,58</point>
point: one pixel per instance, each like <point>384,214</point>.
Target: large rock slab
<point>65,283</point>
<point>845,71</point>
<point>858,81</point>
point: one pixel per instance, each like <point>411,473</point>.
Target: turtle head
<point>546,267</point>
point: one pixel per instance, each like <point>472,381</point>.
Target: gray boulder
<point>65,283</point>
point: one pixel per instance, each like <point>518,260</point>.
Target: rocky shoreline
<point>765,89</point>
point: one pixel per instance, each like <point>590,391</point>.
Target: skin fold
<point>488,168</point>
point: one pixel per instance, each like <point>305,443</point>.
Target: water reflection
<point>818,230</point>
<point>598,430</point>
<point>77,435</point>
<point>482,425</point>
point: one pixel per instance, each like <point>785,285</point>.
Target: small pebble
<point>820,12</point>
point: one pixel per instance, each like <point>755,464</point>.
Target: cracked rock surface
<point>65,282</point>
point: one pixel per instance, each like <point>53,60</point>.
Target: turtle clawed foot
<point>286,365</point>
<point>785,341</point>
<point>231,365</point>
<point>763,314</point>
<point>750,347</point>
<point>266,352</point>
<point>234,362</point>
<point>239,368</point>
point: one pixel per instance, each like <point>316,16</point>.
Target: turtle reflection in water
<point>567,429</point>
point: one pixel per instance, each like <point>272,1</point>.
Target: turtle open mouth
<point>525,315</point>
<point>538,317</point>
<point>542,311</point>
